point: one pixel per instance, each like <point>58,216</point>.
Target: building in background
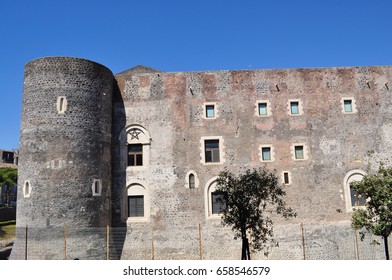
<point>8,159</point>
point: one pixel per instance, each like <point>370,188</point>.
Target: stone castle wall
<point>171,106</point>
<point>165,113</point>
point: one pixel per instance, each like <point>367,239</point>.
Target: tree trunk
<point>386,247</point>
<point>245,248</point>
<point>243,254</point>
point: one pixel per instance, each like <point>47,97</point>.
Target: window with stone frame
<point>266,153</point>
<point>348,105</point>
<point>135,154</point>
<point>211,150</point>
<point>352,198</point>
<point>263,109</point>
<point>356,199</point>
<point>191,181</point>
<point>299,152</point>
<point>136,206</point>
<point>210,111</point>
<point>97,187</point>
<point>26,189</point>
<point>286,178</point>
<point>61,104</point>
<point>294,107</point>
<point>217,203</point>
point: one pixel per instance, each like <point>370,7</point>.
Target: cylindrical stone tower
<point>64,181</point>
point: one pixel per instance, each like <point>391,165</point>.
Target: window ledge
<point>212,163</point>
<point>214,217</point>
<point>136,168</point>
<point>131,220</point>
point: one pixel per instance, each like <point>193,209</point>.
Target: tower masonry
<point>65,172</point>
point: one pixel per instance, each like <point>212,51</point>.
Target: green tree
<point>249,199</point>
<point>8,177</point>
<point>376,217</point>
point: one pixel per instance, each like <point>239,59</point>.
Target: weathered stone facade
<point>65,148</point>
<point>318,128</point>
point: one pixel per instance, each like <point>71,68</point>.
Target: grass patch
<point>7,230</point>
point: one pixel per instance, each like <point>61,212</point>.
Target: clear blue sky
<point>182,35</point>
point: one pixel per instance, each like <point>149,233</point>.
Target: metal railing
<point>307,242</point>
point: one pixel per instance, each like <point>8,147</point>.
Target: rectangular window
<point>348,108</point>
<point>135,154</point>
<point>211,150</point>
<point>210,111</point>
<point>356,200</point>
<point>299,152</point>
<point>217,203</point>
<point>8,157</point>
<point>262,109</point>
<point>136,206</point>
<point>294,107</point>
<point>286,179</point>
<point>266,153</point>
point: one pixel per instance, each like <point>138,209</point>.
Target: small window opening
<point>294,107</point>
<point>192,181</point>
<point>348,107</point>
<point>262,109</point>
<point>26,189</point>
<point>96,187</point>
<point>299,152</point>
<point>286,179</point>
<point>61,104</point>
<point>266,153</point>
<point>210,111</point>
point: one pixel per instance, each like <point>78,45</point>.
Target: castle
<point>141,150</point>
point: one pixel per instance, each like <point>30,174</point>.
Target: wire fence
<point>298,242</point>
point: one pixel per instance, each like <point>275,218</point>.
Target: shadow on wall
<point>118,174</point>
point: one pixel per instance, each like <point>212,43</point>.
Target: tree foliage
<point>249,200</point>
<point>377,215</point>
<point>8,178</point>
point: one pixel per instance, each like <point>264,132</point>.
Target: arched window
<point>97,187</point>
<point>137,141</point>
<point>26,189</point>
<point>137,203</point>
<point>213,199</point>
<point>191,180</point>
<point>353,200</point>
<point>61,104</point>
